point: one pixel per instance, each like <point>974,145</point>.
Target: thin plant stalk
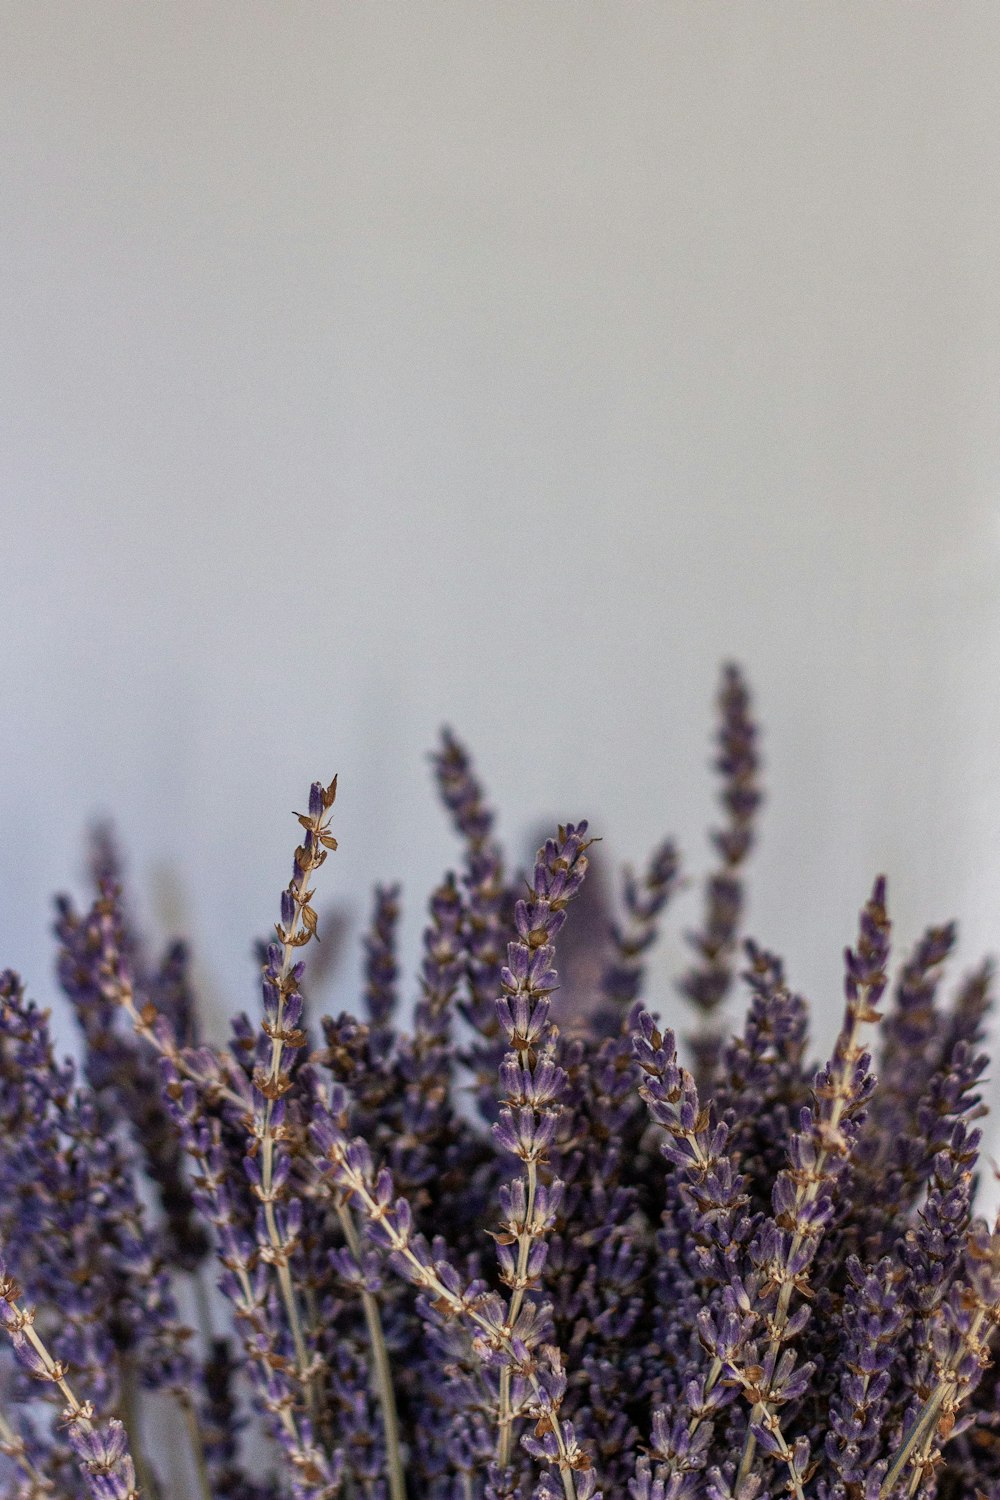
<point>130,1417</point>
<point>380,1366</point>
<point>197,1447</point>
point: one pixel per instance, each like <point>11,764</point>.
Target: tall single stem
<point>130,1419</point>
<point>267,1191</point>
<point>197,1447</point>
<point>283,1410</point>
<point>380,1365</point>
<point>203,1305</point>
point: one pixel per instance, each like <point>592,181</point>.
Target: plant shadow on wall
<point>607,1275</point>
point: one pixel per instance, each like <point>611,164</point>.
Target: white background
<point>366,366</point>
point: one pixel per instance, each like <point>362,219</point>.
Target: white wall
<point>366,366</point>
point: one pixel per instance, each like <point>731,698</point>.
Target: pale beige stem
<point>55,1375</point>
<point>119,989</point>
<point>75,1412</point>
<point>285,1415</point>
<point>505,1440</point>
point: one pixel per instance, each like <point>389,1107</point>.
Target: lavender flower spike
<point>487,903</point>
<point>803,1197</point>
<point>381,968</point>
<point>644,899</point>
<point>738,763</point>
<point>533,1082</point>
<point>461,792</point>
<point>282,1013</point>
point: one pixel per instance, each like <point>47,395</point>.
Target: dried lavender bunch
<point>489,1236</point>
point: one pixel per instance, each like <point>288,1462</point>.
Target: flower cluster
<point>496,1239</point>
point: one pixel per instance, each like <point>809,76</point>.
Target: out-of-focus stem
<point>380,1365</point>
<point>130,1418</point>
<point>204,1306</point>
<point>197,1447</point>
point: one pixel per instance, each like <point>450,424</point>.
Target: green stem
<point>197,1447</point>
<point>380,1365</point>
<point>313,1330</point>
<point>923,1425</point>
<point>130,1419</point>
<point>203,1305</point>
